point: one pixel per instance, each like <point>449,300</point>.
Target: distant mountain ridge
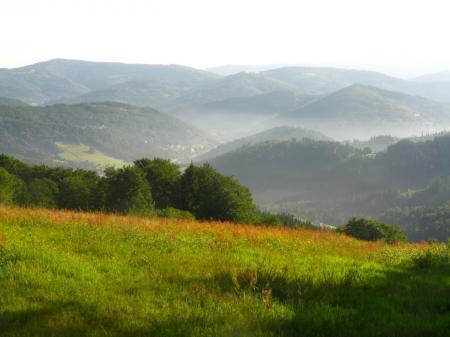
<point>77,81</point>
<point>232,69</point>
<point>316,80</point>
<point>443,76</point>
<point>58,79</point>
<point>272,102</point>
<point>367,110</point>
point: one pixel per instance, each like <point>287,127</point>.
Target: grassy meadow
<point>83,153</point>
<point>90,274</point>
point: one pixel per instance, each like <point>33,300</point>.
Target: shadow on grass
<point>404,302</point>
<point>410,302</point>
<point>35,322</point>
<point>70,319</point>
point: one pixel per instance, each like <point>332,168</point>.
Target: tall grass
<point>91,274</point>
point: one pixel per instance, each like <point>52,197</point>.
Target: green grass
<point>73,274</point>
<point>83,153</point>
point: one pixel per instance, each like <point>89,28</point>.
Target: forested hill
<point>279,133</point>
<point>316,169</point>
<point>96,134</point>
<point>330,182</point>
<point>275,169</point>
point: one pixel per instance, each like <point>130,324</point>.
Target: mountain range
<point>206,107</point>
<point>45,82</point>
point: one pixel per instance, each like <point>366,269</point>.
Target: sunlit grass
<point>82,153</point>
<point>91,274</point>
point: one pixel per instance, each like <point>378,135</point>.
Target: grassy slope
<point>73,274</point>
<point>82,153</point>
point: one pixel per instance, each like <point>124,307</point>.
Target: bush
<point>372,230</point>
<point>174,213</point>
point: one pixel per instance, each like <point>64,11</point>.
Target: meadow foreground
<point>90,274</point>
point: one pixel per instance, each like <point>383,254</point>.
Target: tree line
<point>148,187</point>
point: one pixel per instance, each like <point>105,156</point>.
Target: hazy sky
<point>400,37</point>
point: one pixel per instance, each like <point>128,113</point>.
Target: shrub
<point>174,213</point>
<point>372,230</point>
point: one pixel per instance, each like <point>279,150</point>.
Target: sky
<point>400,37</point>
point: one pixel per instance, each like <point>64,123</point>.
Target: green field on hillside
<point>83,153</point>
<point>91,274</point>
